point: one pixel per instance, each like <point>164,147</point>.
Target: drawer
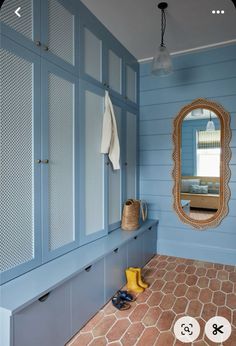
<point>135,252</point>
<point>45,322</point>
<point>115,265</point>
<point>87,294</point>
<point>149,244</point>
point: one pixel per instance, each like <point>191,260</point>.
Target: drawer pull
<point>44,297</point>
<point>88,268</point>
<point>136,237</point>
<point>150,228</point>
<point>116,250</point>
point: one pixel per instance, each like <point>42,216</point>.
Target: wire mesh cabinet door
<point>19,152</point>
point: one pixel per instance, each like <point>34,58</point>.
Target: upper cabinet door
<point>58,159</point>
<point>114,72</point>
<point>92,55</point>
<point>131,83</point>
<point>59,31</point>
<point>92,167</point>
<point>19,151</point>
<point>25,29</point>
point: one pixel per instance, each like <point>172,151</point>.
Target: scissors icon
<point>217,329</point>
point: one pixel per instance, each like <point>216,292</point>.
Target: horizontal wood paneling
<point>209,74</point>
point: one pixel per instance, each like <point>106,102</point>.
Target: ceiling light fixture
<point>161,64</point>
<point>210,125</point>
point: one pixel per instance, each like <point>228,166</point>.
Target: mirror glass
<point>200,164</point>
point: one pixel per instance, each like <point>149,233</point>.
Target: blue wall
<point>209,74</point>
<point>188,152</point>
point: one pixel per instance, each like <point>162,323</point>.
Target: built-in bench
<point>49,304</point>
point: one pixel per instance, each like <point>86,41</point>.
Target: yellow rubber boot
<point>140,281</point>
<point>132,281</point>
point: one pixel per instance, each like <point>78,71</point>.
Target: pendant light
<point>210,125</point>
<point>161,64</point>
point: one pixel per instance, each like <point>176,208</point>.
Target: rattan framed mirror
<point>201,155</point>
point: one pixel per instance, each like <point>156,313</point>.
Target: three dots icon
<point>217,11</point>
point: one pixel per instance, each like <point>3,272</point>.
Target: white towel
<point>110,141</point>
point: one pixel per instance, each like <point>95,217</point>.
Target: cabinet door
<point>114,72</point>
<point>59,33</point>
<point>19,150</point>
<point>131,84</point>
<point>25,29</point>
<point>131,155</point>
<point>91,53</point>
<point>45,322</point>
<point>149,244</point>
<point>92,171</point>
<point>115,265</point>
<point>135,252</point>
<point>115,181</point>
<point>59,137</point>
<point>87,294</point>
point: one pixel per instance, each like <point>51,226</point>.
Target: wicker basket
<point>130,216</point>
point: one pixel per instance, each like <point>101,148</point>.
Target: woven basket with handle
<point>130,216</point>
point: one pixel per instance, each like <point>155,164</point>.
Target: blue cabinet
<point>115,265</point>
<point>149,244</point>
<point>45,322</point>
<point>87,294</point>
<point>64,60</point>
<point>135,252</point>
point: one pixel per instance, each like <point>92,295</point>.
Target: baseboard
<point>196,252</point>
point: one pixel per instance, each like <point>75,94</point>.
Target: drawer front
<point>149,244</point>
<point>135,252</point>
<point>87,294</point>
<point>115,265</point>
<point>46,322</point>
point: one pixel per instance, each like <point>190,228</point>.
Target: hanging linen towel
<point>110,141</point>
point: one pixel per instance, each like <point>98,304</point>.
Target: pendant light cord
<point>163,26</point>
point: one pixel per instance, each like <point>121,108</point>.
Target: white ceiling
<point>190,23</point>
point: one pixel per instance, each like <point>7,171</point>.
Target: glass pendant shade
<point>210,126</point>
<point>162,64</point>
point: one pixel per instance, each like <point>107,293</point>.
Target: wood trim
<point>225,172</point>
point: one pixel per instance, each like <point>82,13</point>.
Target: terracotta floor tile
<point>192,292</point>
<point>225,312</point>
<point>219,298</point>
<point>101,341</point>
<point>166,338</point>
<point>165,321</point>
<point>205,295</point>
<point>167,301</point>
<point>157,285</point>
<point>169,287</point>
<point>132,334</point>
<point>155,299</point>
<point>138,313</point>
<point>180,290</point>
<point>211,273</point>
<point>171,266</point>
<point>93,322</point>
<point>151,317</point>
<point>180,278</point>
<point>118,330</point>
<point>215,285</point>
<point>194,308</point>
<point>201,272</point>
<point>191,280</point>
<point>209,311</point>
<point>142,298</point>
<point>190,269</point>
<point>232,277</point>
<point>203,282</point>
<point>180,305</point>
<point>148,337</point>
<point>104,325</point>
<point>227,287</point>
<point>169,276</point>
<point>82,339</point>
<point>231,301</point>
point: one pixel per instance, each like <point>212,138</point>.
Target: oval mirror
<point>201,163</point>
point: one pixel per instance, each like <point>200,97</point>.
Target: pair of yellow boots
<point>134,280</point>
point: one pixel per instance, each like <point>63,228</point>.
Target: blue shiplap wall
<point>188,149</point>
<point>209,74</point>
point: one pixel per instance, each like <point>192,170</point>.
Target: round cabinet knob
<point>104,84</point>
<point>45,161</point>
<point>45,48</point>
<point>38,43</point>
<point>37,161</point>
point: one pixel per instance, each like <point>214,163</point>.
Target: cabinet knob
<point>45,161</point>
<point>45,48</point>
<point>38,43</point>
<point>104,84</point>
<point>107,163</point>
<point>116,250</point>
<point>136,237</point>
<point>126,163</point>
<point>37,161</point>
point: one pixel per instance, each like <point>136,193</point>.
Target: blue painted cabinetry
<point>63,60</point>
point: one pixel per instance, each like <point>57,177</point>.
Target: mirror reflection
<point>200,164</point>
